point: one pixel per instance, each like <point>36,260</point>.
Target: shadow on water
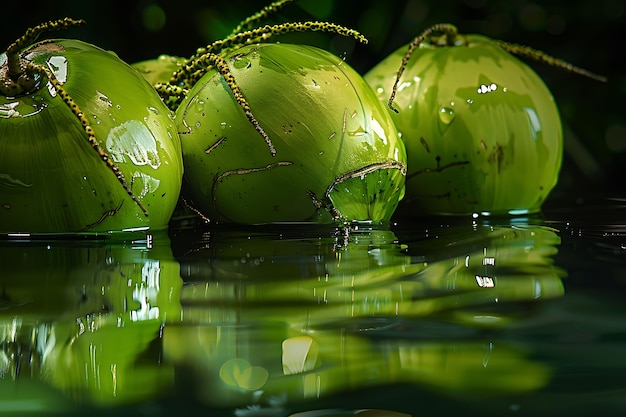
<point>427,318</point>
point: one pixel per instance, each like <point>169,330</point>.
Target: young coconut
<point>283,133</point>
<point>160,69</point>
<point>86,144</point>
<point>482,130</point>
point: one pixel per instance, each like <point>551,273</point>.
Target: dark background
<point>587,33</point>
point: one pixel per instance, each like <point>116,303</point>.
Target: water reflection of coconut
<point>313,317</point>
<point>86,312</point>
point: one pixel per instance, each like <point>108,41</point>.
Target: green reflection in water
<point>81,316</point>
<point>305,316</point>
<point>261,318</point>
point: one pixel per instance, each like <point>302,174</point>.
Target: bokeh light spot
<point>153,18</point>
<point>533,17</point>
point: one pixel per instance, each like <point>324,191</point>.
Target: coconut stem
<point>189,73</point>
<point>450,32</point>
<point>249,22</point>
<point>528,52</point>
<point>20,78</point>
<point>450,37</point>
<point>207,58</point>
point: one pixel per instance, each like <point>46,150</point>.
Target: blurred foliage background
<point>587,33</point>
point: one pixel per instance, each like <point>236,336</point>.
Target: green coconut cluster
<point>270,132</point>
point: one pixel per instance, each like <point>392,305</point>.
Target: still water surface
<point>429,317</point>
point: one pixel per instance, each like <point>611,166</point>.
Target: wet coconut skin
<point>482,130</point>
<point>52,180</point>
<point>329,133</point>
